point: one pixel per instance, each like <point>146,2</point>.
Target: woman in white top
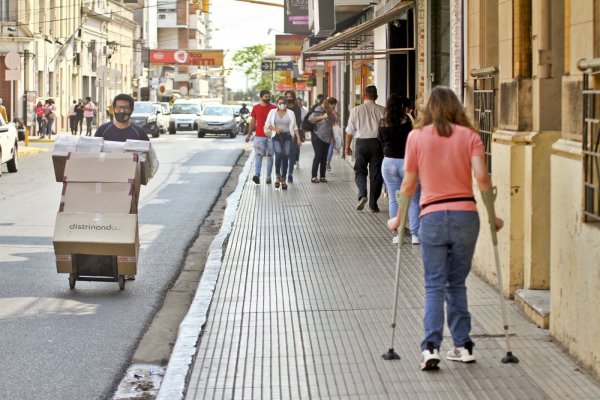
<point>281,125</point>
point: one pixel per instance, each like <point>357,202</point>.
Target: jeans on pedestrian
<point>49,124</point>
<point>73,124</point>
<point>263,147</point>
<point>330,152</point>
<point>282,144</point>
<point>320,158</point>
<point>447,244</point>
<point>292,157</point>
<point>39,121</point>
<point>368,159</point>
<point>88,126</point>
<point>392,170</point>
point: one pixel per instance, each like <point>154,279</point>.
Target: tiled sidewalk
<point>302,310</point>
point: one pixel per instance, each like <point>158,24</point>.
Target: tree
<point>249,59</point>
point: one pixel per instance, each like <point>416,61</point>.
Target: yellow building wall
<point>575,260</point>
<point>508,157</point>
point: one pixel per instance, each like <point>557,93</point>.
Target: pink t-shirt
<point>443,165</point>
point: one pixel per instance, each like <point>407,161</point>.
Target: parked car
<point>218,120</point>
<point>9,146</point>
<point>162,117</point>
<point>144,115</point>
<point>185,115</point>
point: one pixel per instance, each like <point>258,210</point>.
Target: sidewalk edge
<point>175,380</point>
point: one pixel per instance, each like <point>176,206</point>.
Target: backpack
<point>306,124</point>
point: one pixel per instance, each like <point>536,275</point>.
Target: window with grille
<point>591,151</point>
<point>484,115</point>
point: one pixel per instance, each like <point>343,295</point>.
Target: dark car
<point>144,115</point>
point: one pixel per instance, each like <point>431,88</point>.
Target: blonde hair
<point>442,110</point>
<point>327,103</point>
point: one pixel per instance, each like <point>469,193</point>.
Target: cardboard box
<point>96,234</point>
<point>103,167</point>
<point>59,163</point>
<point>99,197</point>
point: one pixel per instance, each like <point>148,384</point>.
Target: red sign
<point>187,57</point>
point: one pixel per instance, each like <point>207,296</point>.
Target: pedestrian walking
<point>73,118</point>
<point>336,136</point>
<point>50,116</point>
<point>393,133</point>
<point>442,152</point>
<point>79,110</point>
<point>3,112</point>
<point>263,145</point>
<point>121,128</point>
<point>294,105</point>
<point>281,125</point>
<point>324,118</point>
<point>88,112</point>
<point>363,125</point>
<point>40,112</point>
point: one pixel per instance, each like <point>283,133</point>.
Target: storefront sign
<point>284,66</point>
<point>187,57</point>
<point>289,45</point>
<point>295,17</point>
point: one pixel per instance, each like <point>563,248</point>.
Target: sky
<point>238,24</point>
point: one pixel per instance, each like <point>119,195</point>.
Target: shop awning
<point>348,42</point>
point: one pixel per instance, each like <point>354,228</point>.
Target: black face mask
<point>267,100</point>
<point>122,117</point>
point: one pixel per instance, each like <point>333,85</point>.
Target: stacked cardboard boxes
<point>96,232</point>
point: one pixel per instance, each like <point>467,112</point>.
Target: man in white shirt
<point>363,124</point>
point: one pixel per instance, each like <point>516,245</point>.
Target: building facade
<point>69,49</point>
<point>527,71</point>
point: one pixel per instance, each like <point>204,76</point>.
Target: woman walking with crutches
<point>442,152</point>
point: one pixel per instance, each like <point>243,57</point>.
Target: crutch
<point>403,202</point>
<point>489,196</point>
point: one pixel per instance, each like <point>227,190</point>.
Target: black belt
<point>451,200</point>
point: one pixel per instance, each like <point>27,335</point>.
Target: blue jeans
<point>282,144</point>
<point>295,150</point>
<point>263,147</point>
<point>330,152</point>
<point>49,127</point>
<point>447,244</point>
<point>392,170</point>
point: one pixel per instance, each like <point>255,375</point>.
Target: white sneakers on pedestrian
<point>431,359</point>
<point>395,239</point>
<point>462,354</point>
<point>415,239</point>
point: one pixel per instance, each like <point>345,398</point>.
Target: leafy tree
<point>249,59</point>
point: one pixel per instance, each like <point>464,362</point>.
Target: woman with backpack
<point>323,117</point>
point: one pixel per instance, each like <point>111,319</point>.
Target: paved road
<point>65,344</point>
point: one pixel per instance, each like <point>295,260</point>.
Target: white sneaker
<point>431,359</point>
<point>415,239</point>
<point>462,354</point>
<point>395,239</point>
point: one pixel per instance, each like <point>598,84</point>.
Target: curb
<point>175,380</point>
<point>26,150</point>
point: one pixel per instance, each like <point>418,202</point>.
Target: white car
<point>9,146</point>
<point>184,116</point>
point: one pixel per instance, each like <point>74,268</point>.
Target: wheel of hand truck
<point>72,280</point>
<point>122,282</point>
